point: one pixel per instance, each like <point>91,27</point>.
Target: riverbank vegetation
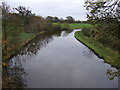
<point>109,55</point>
<point>103,38</point>
<point>21,26</point>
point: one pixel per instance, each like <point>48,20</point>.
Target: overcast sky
<point>59,8</point>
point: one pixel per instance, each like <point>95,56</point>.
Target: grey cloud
<point>60,8</point>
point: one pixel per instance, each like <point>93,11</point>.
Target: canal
<point>58,60</point>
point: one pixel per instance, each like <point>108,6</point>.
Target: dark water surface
<point>60,61</point>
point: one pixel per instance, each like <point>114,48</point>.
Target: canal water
<point>58,60</point>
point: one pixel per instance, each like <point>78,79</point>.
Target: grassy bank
<point>14,46</point>
<point>18,43</point>
<point>109,55</point>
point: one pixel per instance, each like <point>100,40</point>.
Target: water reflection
<point>112,74</point>
<point>41,41</point>
<point>12,75</point>
<point>88,53</point>
<point>66,33</point>
<point>14,72</point>
<point>33,47</point>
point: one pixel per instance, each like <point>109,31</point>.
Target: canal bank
<point>110,56</point>
<point>60,61</point>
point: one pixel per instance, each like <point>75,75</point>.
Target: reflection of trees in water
<point>112,74</point>
<point>13,73</point>
<point>39,42</point>
<point>34,46</point>
<point>87,52</point>
<point>17,72</point>
<point>66,32</point>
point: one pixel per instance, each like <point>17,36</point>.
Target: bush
<point>86,31</point>
<point>56,26</point>
<point>65,26</point>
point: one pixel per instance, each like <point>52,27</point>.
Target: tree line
<point>105,16</point>
<point>20,26</point>
<point>69,19</point>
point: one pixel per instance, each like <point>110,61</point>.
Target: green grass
<point>16,42</point>
<point>75,25</point>
<point>80,25</point>
<point>24,36</point>
<point>109,55</point>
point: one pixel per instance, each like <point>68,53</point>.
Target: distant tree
<point>56,19</point>
<point>84,22</point>
<point>61,20</point>
<point>78,21</point>
<point>24,11</point>
<point>52,19</point>
<point>70,19</point>
<point>49,18</point>
<point>38,24</point>
<point>27,16</point>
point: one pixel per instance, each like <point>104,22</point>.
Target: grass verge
<point>109,55</point>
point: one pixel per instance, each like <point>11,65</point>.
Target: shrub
<point>86,31</point>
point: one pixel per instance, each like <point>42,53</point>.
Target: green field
<point>74,25</point>
<point>79,25</point>
<point>109,55</point>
